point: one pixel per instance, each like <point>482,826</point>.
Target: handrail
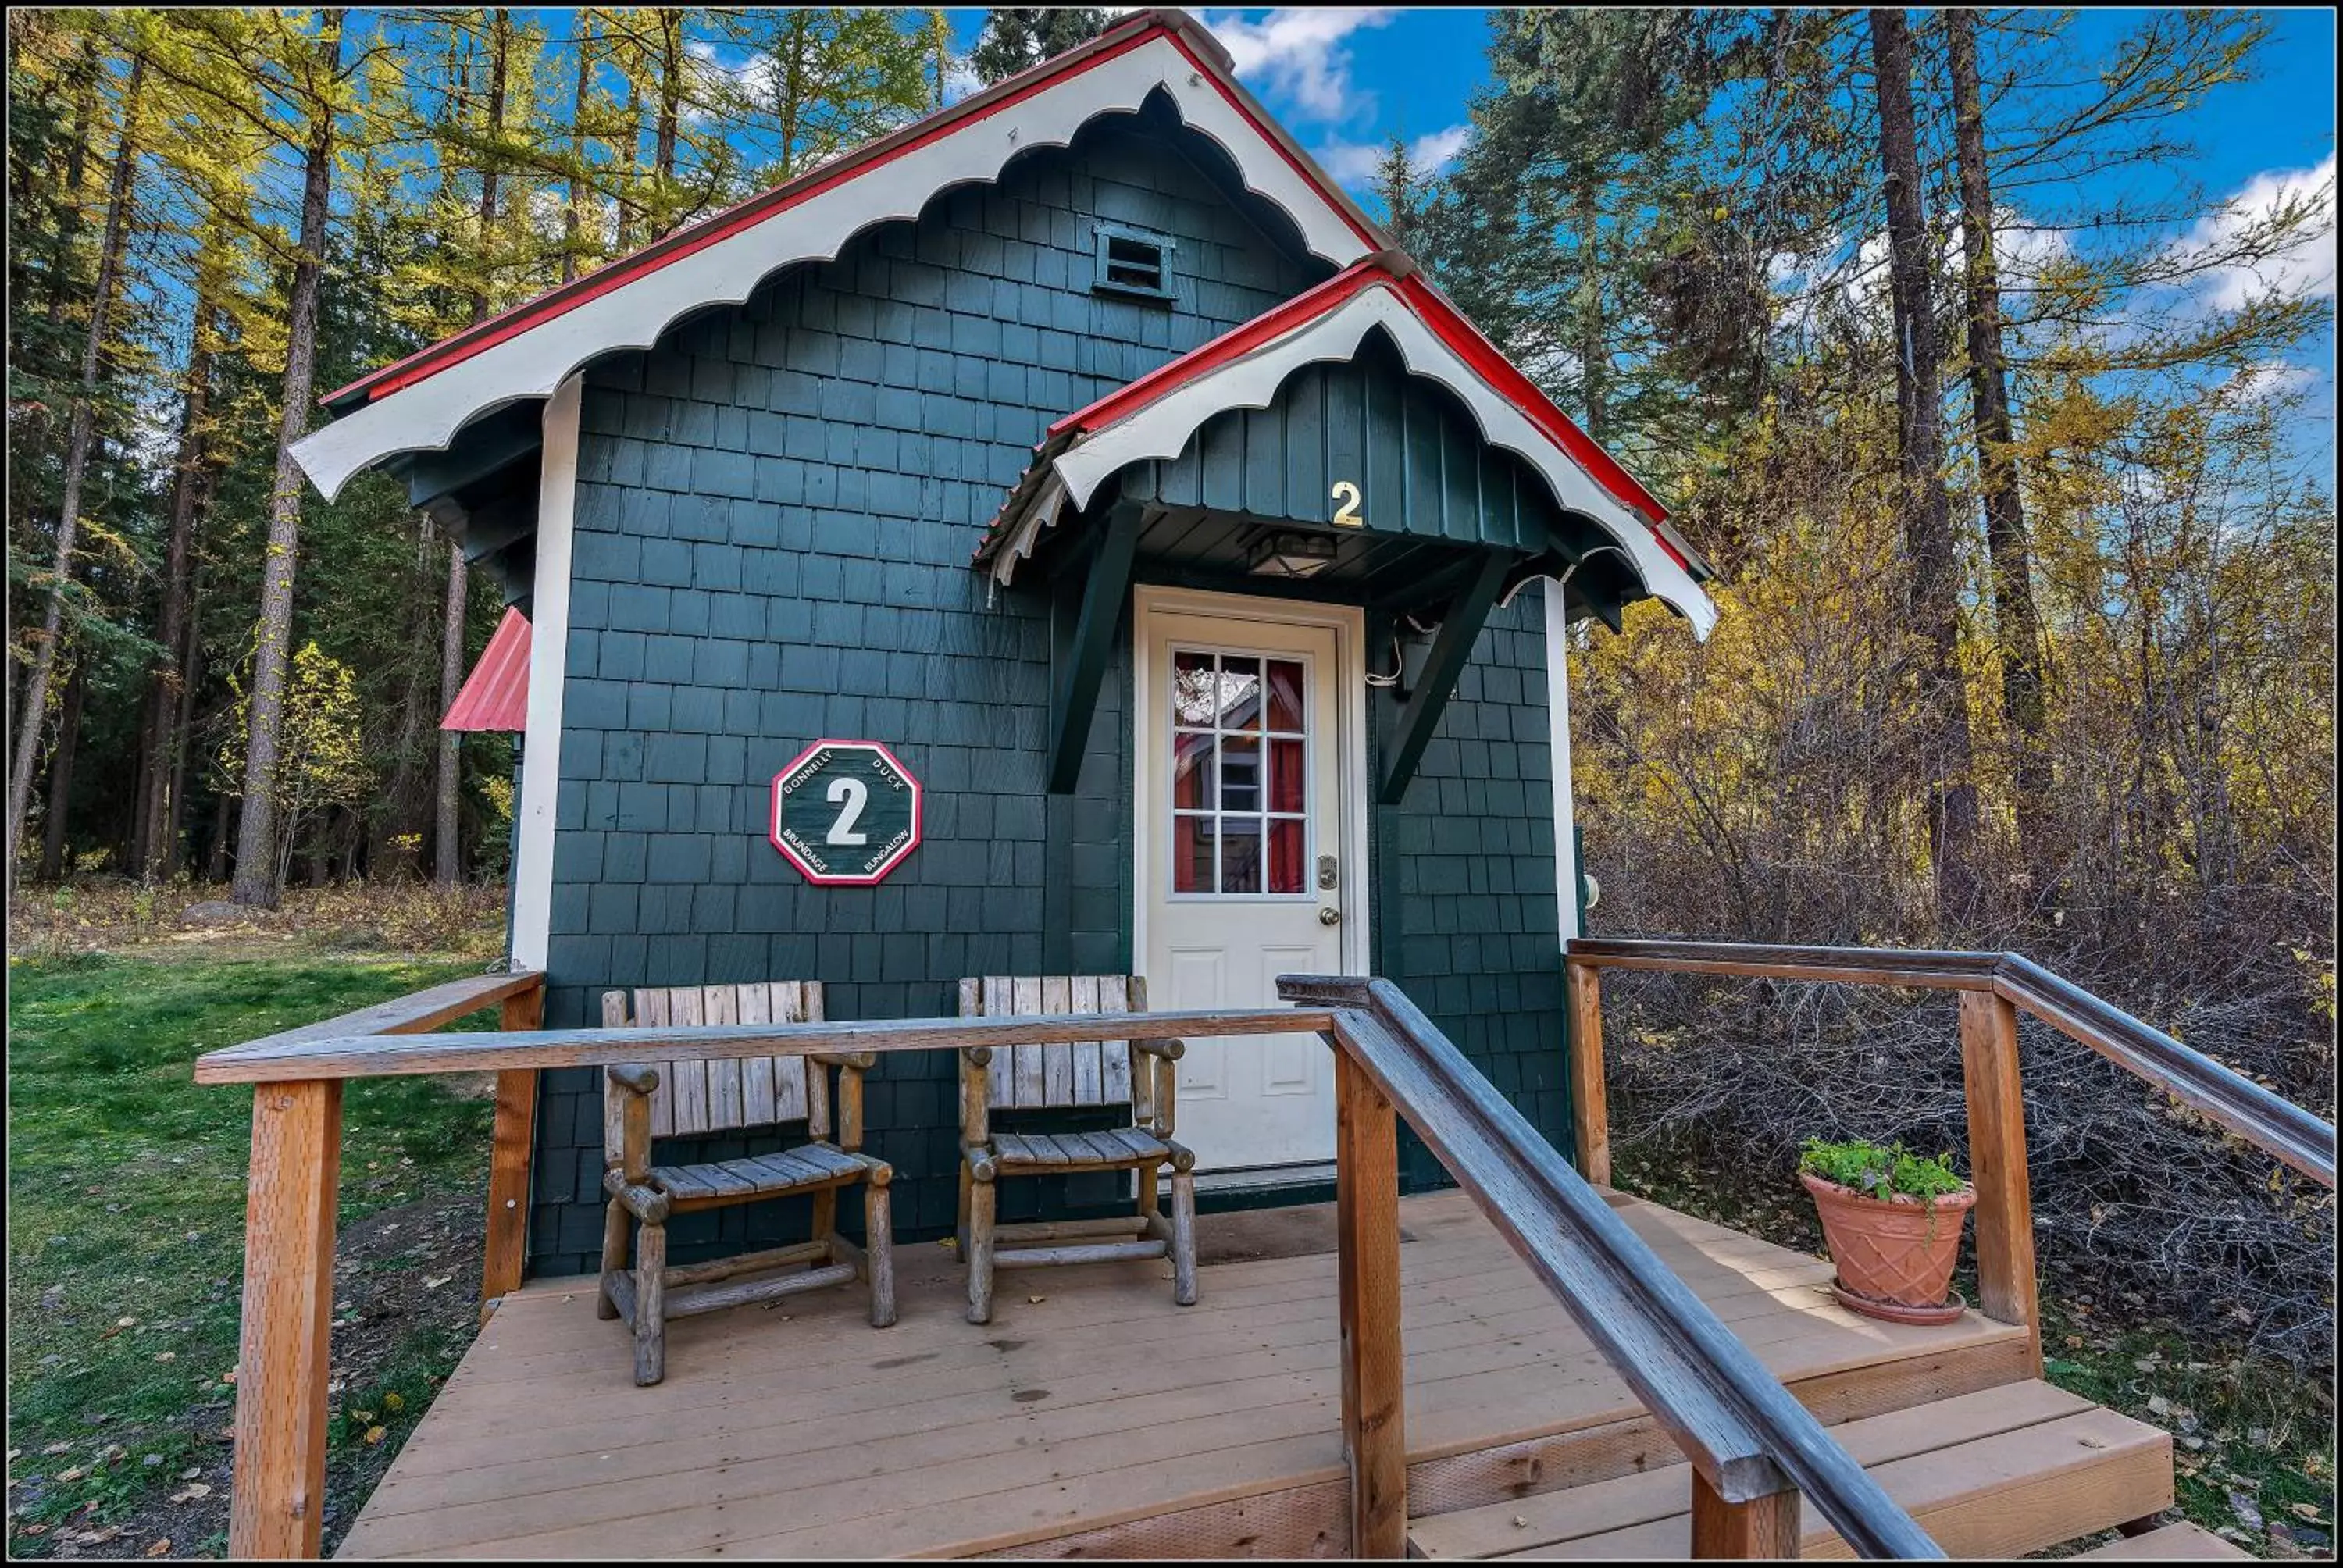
<point>306,1054</point>
<point>1742,1430</point>
<point>2269,1121</point>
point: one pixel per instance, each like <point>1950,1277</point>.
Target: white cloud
<point>1354,163</point>
<point>1296,53</point>
<point>2307,266</point>
<point>2269,379</point>
<point>961,80</point>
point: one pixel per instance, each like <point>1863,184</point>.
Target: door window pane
<point>1192,770</point>
<point>1240,775</point>
<point>1286,775</point>
<point>1284,696</point>
<point>1191,854</point>
<point>1194,698</point>
<point>1240,854</point>
<point>1285,855</point>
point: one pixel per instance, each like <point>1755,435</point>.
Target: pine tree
<point>34,702</point>
<point>313,69</point>
<point>1018,37</point>
<point>1947,760</point>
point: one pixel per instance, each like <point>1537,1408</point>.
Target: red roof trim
<point>451,351</point>
<point>495,694</point>
<point>1386,270</point>
<point>1232,345</point>
<point>425,363</point>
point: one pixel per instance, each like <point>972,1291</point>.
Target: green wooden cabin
<point>1088,448</point>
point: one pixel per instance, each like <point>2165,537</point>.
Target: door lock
<point>1328,915</point>
<point>1326,873</point>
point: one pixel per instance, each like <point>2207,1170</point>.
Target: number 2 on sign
<point>854,794</point>
<point>1346,514</point>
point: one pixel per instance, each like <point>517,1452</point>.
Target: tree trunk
<point>499,46</point>
<point>2016,627</point>
<point>167,683</point>
<point>1928,510</point>
<point>627,205</point>
<point>215,859</point>
<point>451,681</point>
<point>175,807</point>
<point>670,24</point>
<point>33,702</point>
<point>61,767</point>
<point>570,219</point>
<point>1592,361</point>
<point>256,853</point>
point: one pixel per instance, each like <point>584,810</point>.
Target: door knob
<point>1328,915</point>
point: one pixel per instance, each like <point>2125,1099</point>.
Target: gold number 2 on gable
<point>1346,514</point>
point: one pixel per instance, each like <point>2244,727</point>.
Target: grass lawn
<point>125,1236</point>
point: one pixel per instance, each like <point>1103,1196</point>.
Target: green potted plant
<point>1892,1222</point>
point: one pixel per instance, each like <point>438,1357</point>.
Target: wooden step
<point>2180,1543</point>
<point>1996,1474</point>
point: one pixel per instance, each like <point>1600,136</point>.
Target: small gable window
<point>1133,261</point>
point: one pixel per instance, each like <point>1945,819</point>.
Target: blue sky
<point>1343,80</point>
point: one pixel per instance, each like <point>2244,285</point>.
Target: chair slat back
<point>733,1092</point>
<point>1089,1072</point>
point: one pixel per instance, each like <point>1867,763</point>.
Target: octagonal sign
<point>846,812</point>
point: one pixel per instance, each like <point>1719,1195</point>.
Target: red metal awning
<point>495,694</point>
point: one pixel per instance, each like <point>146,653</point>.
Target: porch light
<point>1293,556</point>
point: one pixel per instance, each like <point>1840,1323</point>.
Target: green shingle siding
<point>774,517</point>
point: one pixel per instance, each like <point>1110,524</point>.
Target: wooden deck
<point>1097,1419</point>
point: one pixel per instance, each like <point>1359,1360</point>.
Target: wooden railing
<point>1754,1448</point>
<point>291,1194</point>
<point>1751,1445</point>
<point>1993,988</point>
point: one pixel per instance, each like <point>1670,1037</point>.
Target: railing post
<point>1366,1218</point>
<point>2005,1207</point>
<point>1764,1526</point>
<point>278,1505</point>
<point>1589,1114</point>
<point>508,1159</point>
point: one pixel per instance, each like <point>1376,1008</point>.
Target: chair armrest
<point>847,1109</point>
<point>633,1079</point>
<point>645,1203</point>
<point>1169,1050</point>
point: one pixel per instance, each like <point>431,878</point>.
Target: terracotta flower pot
<point>1896,1255</point>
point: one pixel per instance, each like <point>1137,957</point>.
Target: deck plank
<point>767,1434</point>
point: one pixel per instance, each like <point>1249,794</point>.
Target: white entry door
<point>1247,870</point>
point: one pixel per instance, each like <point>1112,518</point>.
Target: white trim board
<point>1557,713</point>
<point>427,416</point>
<point>549,655</point>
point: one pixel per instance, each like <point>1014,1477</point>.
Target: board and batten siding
<point>774,516</point>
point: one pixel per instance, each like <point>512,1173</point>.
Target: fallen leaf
<point>376,1434</point>
<point>393,1403</point>
<point>162,1547</point>
<point>58,1447</point>
<point>1037,1300</point>
<point>2158,1406</point>
<point>430,1284</point>
<point>2307,1511</point>
<point>67,1477</point>
<point>192,1491</point>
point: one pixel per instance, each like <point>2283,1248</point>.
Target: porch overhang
<point>1241,429</point>
<point>1359,444</point>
